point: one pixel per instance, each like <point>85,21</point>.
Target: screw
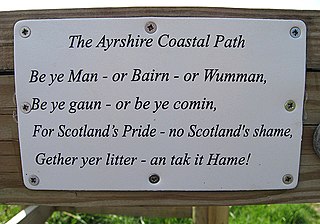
<point>290,105</point>
<point>287,179</point>
<point>295,32</point>
<point>34,180</point>
<point>150,27</point>
<point>25,32</point>
<point>26,107</point>
<point>154,178</point>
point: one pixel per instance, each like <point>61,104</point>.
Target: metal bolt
<point>25,32</point>
<point>295,32</point>
<point>154,178</point>
<point>25,107</point>
<point>150,27</point>
<point>34,180</point>
<point>290,105</point>
<point>287,179</point>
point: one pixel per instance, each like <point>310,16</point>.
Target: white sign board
<point>191,104</point>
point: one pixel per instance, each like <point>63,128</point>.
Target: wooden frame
<point>13,191</point>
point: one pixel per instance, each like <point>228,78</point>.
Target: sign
<point>190,104</point>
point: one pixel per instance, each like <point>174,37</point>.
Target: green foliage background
<point>264,214</point>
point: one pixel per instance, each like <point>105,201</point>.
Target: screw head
<point>34,180</point>
<point>287,179</point>
<point>25,32</point>
<point>290,105</point>
<point>295,32</point>
<point>25,107</point>
<point>154,178</point>
<point>150,27</point>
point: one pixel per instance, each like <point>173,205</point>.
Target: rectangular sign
<point>190,104</point>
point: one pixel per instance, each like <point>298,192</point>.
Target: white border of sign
<point>241,134</point>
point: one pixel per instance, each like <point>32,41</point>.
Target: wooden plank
<point>9,148</point>
<point>8,128</point>
<point>13,179</point>
<point>7,101</point>
<point>10,164</point>
<point>200,215</point>
<point>163,212</point>
<point>210,215</point>
<point>32,214</point>
<point>12,189</point>
<point>312,106</point>
<point>8,19</point>
<point>7,104</point>
<point>11,186</point>
<point>218,215</point>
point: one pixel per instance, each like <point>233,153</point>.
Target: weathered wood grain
<point>312,106</point>
<point>200,214</point>
<point>8,19</point>
<point>218,214</point>
<point>13,191</point>
<point>210,214</point>
<point>7,102</point>
<point>9,129</point>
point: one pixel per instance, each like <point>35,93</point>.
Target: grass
<point>264,214</point>
<point>8,211</point>
<point>81,218</point>
<point>274,214</point>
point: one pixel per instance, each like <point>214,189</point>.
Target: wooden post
<point>210,214</point>
<point>200,215</point>
<point>218,214</point>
